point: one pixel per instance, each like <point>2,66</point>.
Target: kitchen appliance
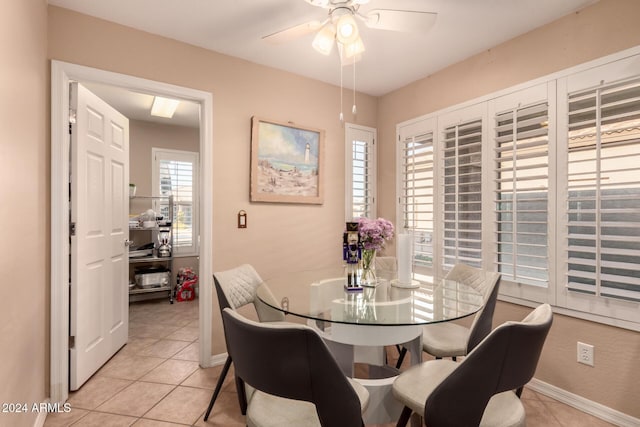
<point>145,250</point>
<point>149,219</point>
<point>152,277</point>
<point>164,247</point>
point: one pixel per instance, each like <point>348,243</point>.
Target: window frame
<point>159,154</point>
<point>604,310</point>
<point>594,77</point>
<point>465,114</point>
<point>368,135</point>
<point>538,93</point>
<point>417,132</point>
<point>463,119</point>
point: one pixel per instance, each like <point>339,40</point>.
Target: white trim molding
<point>62,73</point>
<point>368,135</point>
<point>218,359</point>
<point>41,418</point>
<point>582,404</point>
<point>544,275</point>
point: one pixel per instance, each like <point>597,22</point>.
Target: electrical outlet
<point>585,353</point>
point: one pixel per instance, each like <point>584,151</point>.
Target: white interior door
<point>99,316</point>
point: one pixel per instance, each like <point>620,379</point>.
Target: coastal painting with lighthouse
<point>286,162</point>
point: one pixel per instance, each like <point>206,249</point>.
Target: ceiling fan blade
<point>291,33</point>
<point>408,21</point>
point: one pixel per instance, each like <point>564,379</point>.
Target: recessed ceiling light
<point>164,107</point>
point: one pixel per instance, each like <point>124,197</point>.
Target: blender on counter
<point>164,247</point>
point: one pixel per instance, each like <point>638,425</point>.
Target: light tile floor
<point>155,381</point>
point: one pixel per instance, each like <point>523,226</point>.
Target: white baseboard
<point>218,359</point>
<point>585,405</point>
<point>42,417</point>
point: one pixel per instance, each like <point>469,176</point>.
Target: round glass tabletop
<point>321,295</point>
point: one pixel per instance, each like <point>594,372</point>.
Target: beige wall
<point>278,236</point>
<point>143,136</point>
<point>24,173</point>
<point>604,28</point>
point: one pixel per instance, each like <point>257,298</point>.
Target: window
<point>462,233</point>
<point>603,204</point>
<point>540,182</point>
<point>175,173</point>
<point>416,195</point>
<point>360,172</point>
<point>522,191</point>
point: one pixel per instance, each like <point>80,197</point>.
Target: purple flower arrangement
<point>374,232</point>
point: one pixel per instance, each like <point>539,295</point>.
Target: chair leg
<point>223,375</point>
<point>404,417</point>
<point>403,353</point>
<point>242,395</point>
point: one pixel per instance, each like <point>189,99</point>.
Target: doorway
<point>61,75</point>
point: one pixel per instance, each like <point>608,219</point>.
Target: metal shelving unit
<point>139,294</point>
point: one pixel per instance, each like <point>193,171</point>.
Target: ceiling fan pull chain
<point>354,110</point>
<point>341,115</point>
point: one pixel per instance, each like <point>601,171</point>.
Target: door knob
<point>128,242</point>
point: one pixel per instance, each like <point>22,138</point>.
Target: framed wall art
<point>286,162</point>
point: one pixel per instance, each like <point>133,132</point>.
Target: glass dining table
<point>356,325</point>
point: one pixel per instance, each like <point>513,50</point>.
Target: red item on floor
<point>187,281</point>
<point>186,292</point>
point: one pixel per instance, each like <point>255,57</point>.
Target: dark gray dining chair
<point>236,288</point>
<point>449,339</point>
<point>295,378</point>
<point>480,390</point>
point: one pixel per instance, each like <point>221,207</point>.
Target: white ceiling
<point>137,106</point>
<point>391,60</point>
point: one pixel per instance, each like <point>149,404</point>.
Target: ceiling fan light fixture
<point>350,54</point>
<point>164,107</point>
<point>347,30</point>
<point>344,61</point>
<point>353,49</point>
<point>324,39</point>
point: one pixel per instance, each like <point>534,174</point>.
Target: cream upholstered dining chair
<point>295,378</point>
<point>479,391</point>
<point>448,339</point>
<point>236,288</point>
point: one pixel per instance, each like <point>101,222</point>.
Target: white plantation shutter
<point>176,174</point>
<point>416,195</point>
<point>362,197</point>
<point>522,189</point>
<point>603,190</point>
<point>552,200</point>
<point>360,172</point>
<point>462,234</point>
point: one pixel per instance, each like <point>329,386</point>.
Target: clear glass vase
<point>368,276</point>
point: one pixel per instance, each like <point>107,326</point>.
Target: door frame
<point>62,73</point>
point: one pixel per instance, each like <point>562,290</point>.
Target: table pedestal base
<point>351,344</point>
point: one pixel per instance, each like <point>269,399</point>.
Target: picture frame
<point>287,162</point>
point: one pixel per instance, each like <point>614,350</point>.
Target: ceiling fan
<point>340,26</point>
